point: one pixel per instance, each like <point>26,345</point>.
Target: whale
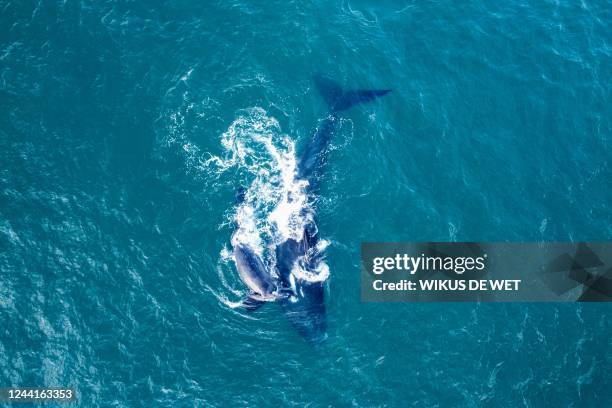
<point>290,284</point>
<point>262,285</point>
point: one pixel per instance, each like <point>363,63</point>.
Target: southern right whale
<point>293,282</point>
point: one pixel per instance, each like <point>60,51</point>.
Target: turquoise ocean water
<point>126,128</point>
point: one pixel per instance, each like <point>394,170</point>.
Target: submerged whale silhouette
<point>302,299</point>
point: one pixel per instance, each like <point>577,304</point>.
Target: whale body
<point>301,298</point>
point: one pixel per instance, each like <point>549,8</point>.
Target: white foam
<point>319,274</point>
<point>275,206</point>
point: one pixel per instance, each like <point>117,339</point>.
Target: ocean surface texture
<point>126,129</point>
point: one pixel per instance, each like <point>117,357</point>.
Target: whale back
<point>252,271</point>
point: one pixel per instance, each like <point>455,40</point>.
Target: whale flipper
<point>338,99</point>
<point>252,303</point>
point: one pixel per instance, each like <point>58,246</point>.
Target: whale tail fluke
<point>338,99</point>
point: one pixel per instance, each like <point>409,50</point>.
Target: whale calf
<point>291,284</point>
<point>261,283</point>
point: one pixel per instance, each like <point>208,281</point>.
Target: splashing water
<point>275,206</point>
